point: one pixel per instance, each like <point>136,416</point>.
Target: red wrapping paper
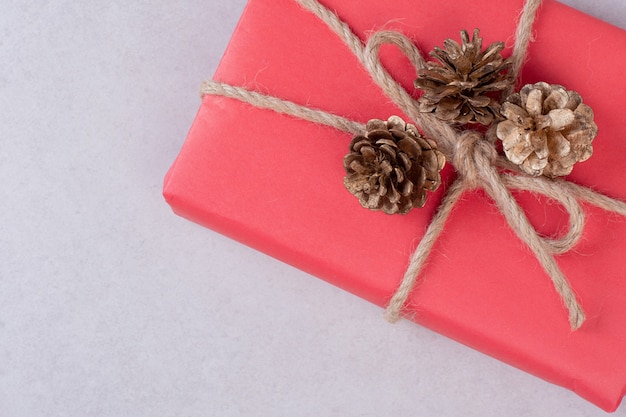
<point>274,182</point>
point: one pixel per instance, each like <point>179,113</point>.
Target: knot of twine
<point>473,155</point>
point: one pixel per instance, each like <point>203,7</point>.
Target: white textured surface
<point>112,306</point>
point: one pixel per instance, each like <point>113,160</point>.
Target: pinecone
<point>455,87</point>
<point>391,166</point>
<point>547,129</point>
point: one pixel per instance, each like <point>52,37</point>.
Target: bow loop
<point>565,196</point>
<point>392,37</point>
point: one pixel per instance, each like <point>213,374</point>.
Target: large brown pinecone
<point>547,129</point>
<point>455,88</point>
<point>391,166</point>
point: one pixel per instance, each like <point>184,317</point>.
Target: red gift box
<point>275,183</point>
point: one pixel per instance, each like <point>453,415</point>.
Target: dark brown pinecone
<point>547,129</point>
<point>391,166</point>
<point>455,88</point>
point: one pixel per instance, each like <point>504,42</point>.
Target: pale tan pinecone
<point>391,167</point>
<point>547,129</point>
<point>459,86</point>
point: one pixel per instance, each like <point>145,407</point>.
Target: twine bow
<point>473,156</point>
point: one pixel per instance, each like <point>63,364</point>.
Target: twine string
<point>474,158</point>
<point>264,101</point>
<point>523,36</point>
<point>419,256</point>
